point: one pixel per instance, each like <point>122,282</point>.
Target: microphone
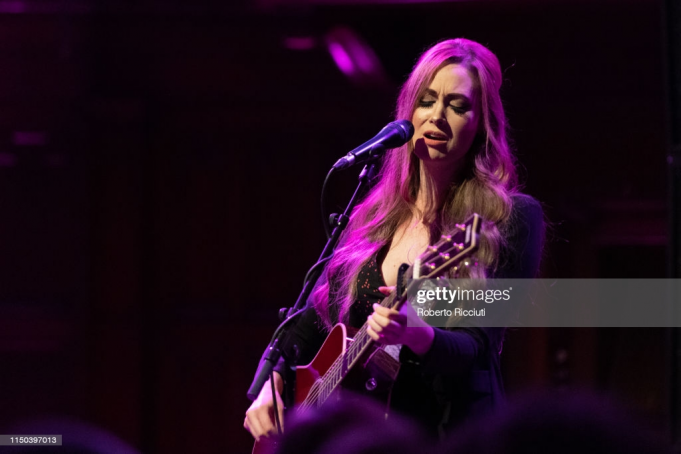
<point>393,135</point>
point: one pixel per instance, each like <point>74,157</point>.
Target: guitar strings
<point>361,342</point>
<point>324,384</point>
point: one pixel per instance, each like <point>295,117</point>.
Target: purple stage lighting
<point>342,59</point>
<point>354,57</point>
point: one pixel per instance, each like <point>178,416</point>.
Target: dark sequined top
<point>369,279</point>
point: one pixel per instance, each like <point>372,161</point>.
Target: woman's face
<point>446,118</point>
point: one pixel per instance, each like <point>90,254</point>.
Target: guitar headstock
<point>452,251</point>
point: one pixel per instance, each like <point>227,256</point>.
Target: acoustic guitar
<point>360,364</point>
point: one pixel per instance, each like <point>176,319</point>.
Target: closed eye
<point>460,110</point>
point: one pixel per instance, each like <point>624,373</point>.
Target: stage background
<point>160,161</point>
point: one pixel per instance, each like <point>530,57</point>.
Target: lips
<point>435,135</point>
<point>436,139</point>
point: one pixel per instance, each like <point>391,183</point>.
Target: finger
<point>253,426</point>
<point>250,429</point>
<point>266,420</point>
<point>377,328</point>
<point>384,311</point>
<point>387,333</point>
<point>380,321</point>
<point>373,334</point>
<point>386,290</point>
<point>263,418</point>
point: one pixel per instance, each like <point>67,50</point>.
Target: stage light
<point>354,57</point>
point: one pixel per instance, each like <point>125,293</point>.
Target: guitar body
<point>374,378</point>
<point>306,376</point>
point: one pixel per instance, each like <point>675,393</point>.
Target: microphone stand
<point>272,353</point>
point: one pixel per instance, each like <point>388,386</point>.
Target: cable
<point>276,404</point>
<point>325,218</point>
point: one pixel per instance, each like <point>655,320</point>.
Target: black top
<point>460,375</point>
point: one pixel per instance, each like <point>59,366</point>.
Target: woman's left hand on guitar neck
<point>405,327</point>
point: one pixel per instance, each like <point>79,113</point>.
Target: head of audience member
<point>558,422</point>
<point>356,425</point>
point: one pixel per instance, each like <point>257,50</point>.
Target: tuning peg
<point>461,227</point>
<point>444,255</point>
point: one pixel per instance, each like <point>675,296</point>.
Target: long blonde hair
<point>486,186</point>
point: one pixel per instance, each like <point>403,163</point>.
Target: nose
<point>438,115</point>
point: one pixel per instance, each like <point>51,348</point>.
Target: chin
<point>426,153</point>
<point>434,155</point>
<point>437,155</point>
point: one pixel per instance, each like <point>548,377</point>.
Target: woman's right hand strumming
<point>260,416</point>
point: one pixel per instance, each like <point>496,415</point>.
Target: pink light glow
<point>355,57</point>
<point>342,59</point>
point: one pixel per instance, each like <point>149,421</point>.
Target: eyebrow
<point>448,96</point>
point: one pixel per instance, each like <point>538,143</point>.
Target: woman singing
<point>458,162</point>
